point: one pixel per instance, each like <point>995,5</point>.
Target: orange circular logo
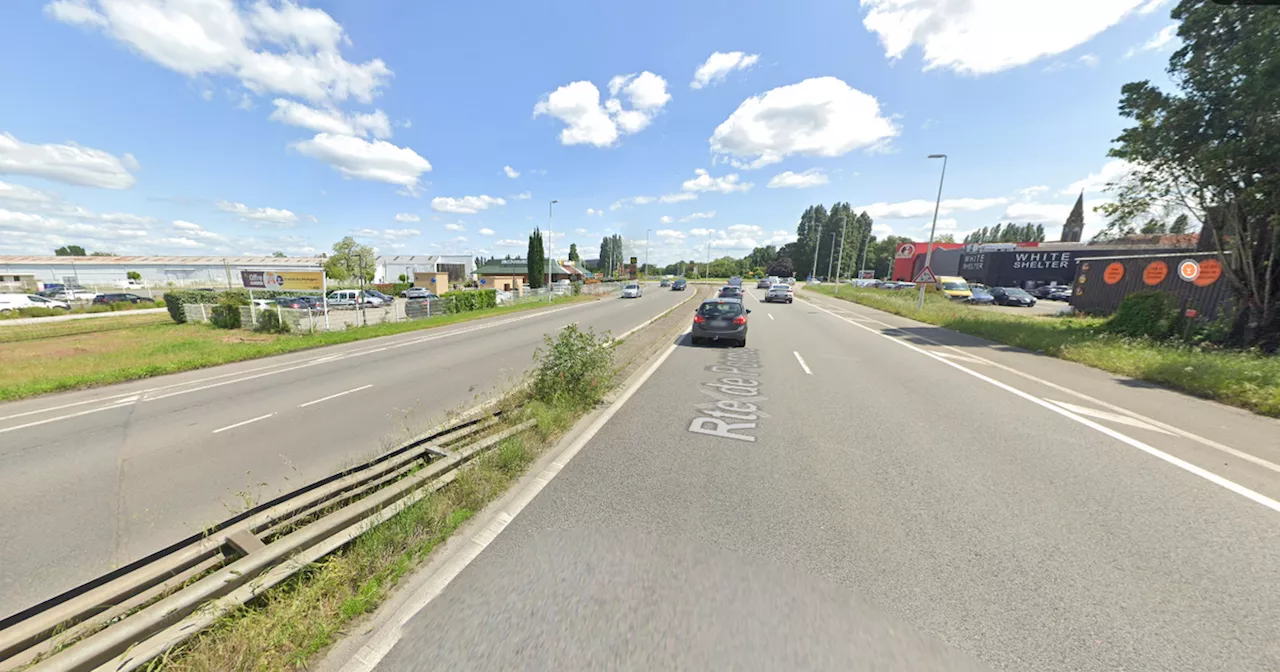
<point>1210,271</point>
<point>1188,270</point>
<point>1114,273</point>
<point>1155,273</point>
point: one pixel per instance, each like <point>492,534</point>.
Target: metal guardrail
<point>126,618</point>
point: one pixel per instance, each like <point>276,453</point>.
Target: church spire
<point>1073,229</point>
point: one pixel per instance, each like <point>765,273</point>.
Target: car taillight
<point>740,320</point>
<point>698,319</point>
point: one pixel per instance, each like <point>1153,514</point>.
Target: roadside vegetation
<point>290,624</point>
<point>1143,340</point>
<point>117,307</point>
<point>74,355</point>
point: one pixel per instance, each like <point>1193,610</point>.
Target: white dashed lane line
<point>242,424</point>
<point>802,364</point>
<point>335,396</point>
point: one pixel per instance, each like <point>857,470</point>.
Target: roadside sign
<point>866,275</point>
<point>483,281</point>
<point>1189,270</point>
<point>925,276</point>
<point>283,280</point>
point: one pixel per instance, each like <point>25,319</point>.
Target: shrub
<point>269,322</point>
<point>1145,315</point>
<point>575,367</point>
<point>393,288</point>
<point>226,316</point>
<point>462,302</point>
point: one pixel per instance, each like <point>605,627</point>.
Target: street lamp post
<point>928,255</point>
<point>816,239</point>
<point>840,263</point>
<point>550,246</point>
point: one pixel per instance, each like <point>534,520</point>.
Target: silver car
<point>780,293</point>
<point>632,291</point>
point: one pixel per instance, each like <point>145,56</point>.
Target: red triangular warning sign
<point>925,276</point>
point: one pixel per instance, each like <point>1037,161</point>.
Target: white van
<point>351,298</point>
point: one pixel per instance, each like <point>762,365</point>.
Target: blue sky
<point>221,127</point>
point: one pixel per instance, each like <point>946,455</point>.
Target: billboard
<point>312,281</point>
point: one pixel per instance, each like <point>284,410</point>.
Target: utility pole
<point>552,258</point>
<point>928,255</point>
<point>646,254</point>
<point>816,240</point>
<point>832,255</point>
<point>841,262</point>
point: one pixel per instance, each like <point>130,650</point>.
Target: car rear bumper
<point>737,333</point>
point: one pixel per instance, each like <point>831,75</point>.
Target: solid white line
<point>1209,443</point>
<point>372,653</point>
<point>334,396</point>
<point>118,404</point>
<point>58,408</point>
<point>1110,417</point>
<point>802,364</point>
<point>1154,452</point>
<point>770,315</point>
<point>241,424</point>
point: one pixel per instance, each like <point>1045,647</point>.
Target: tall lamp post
<point>928,255</point>
<point>816,244</point>
<point>550,246</point>
<point>844,225</point>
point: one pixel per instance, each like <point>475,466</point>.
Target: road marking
<point>117,404</point>
<point>770,315</point>
<point>1123,438</point>
<point>334,396</point>
<point>1113,417</point>
<point>1209,443</point>
<point>369,655</point>
<point>241,424</point>
<point>802,364</point>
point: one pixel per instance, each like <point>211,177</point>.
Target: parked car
<point>1060,294</point>
<point>679,285</point>
<point>720,319</point>
<point>10,302</point>
<point>263,304</point>
<point>379,296</point>
<point>75,294</point>
<point>730,292</point>
<point>632,291</point>
<point>129,284</point>
<point>352,298</point>
<point>300,302</point>
<point>953,287</point>
<point>104,299</point>
<point>1043,291</point>
<point>1012,296</point>
<point>780,293</point>
<point>764,284</point>
<point>418,293</point>
<point>980,296</point>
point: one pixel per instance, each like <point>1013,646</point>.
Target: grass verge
<point>73,360</point>
<point>1245,379</point>
<point>289,624</point>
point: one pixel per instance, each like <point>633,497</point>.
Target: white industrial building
<point>391,267</point>
<point>29,272</point>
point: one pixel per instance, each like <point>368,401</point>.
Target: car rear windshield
<point>725,309</point>
<point>955,286</point>
<point>785,288</point>
<point>1016,292</point>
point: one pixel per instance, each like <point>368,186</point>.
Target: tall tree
<point>944,238</point>
<point>103,254</point>
<point>1211,148</point>
<point>70,251</point>
<point>349,260</point>
<point>278,254</point>
<point>537,261</point>
<point>1180,224</point>
<point>573,254</point>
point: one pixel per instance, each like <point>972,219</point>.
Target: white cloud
<point>466,205</point>
<point>511,242</point>
<point>882,230</point>
<point>678,197</point>
<point>580,231</point>
<point>944,224</point>
<point>724,185</point>
<point>592,212</point>
<point>813,177</point>
<point>816,117</point>
<point>1151,6</point>
<point>1157,41</point>
<point>1089,60</point>
<point>1031,192</point>
<point>69,163</point>
<point>271,215</point>
<point>388,234</point>
<point>588,122</point>
<point>458,239</point>
<point>701,232</point>
<point>746,230</point>
<point>670,234</point>
<point>719,65</point>
<point>191,230</point>
<point>407,217</point>
<point>313,219</point>
<point>922,208</point>
<point>455,226</point>
<point>984,36</point>
<point>270,47</point>
<point>357,158</point>
<point>331,120</point>
<point>486,232</point>
<point>665,219</point>
<point>632,200</point>
<point>523,196</point>
<point>698,215</point>
<point>18,193</point>
<point>511,172</point>
<point>1112,171</point>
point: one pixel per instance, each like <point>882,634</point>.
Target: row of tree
<point>1010,233</point>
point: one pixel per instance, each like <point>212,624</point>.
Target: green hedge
<point>175,300</point>
<point>392,288</point>
<point>225,316</point>
<point>464,302</point>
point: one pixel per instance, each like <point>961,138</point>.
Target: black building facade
<point>1031,266</point>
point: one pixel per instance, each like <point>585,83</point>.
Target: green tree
<point>1154,226</point>
<point>536,260</point>
<point>611,254</point>
<point>70,251</point>
<point>278,254</point>
<point>944,238</point>
<point>103,254</point>
<point>573,254</point>
<point>134,276</point>
<point>1180,224</point>
<point>350,260</point>
<point>1210,148</point>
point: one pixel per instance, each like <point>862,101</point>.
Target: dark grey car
<point>720,320</point>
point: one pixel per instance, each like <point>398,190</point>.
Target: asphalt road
<point>878,494</point>
<point>95,479</point>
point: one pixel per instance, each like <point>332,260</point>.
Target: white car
<point>632,291</point>
<point>781,293</point>
<point>76,294</point>
<point>130,284</point>
<point>10,302</point>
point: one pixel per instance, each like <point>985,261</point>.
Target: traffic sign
<point>925,276</point>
